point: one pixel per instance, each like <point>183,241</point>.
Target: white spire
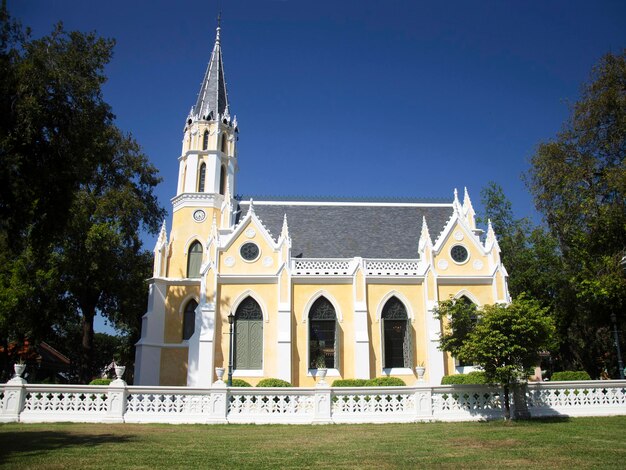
<point>425,239</point>
<point>456,203</point>
<point>285,230</point>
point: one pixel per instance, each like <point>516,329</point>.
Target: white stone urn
<point>321,374</point>
<point>420,371</point>
<point>19,370</point>
<point>119,371</point>
<point>219,371</point>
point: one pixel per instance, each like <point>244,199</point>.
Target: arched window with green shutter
<point>322,334</point>
<point>248,332</point>
<point>205,140</point>
<point>397,344</point>
<point>189,319</point>
<point>194,260</point>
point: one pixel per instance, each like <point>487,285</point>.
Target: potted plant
<point>420,370</point>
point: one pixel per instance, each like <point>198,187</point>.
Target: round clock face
<point>199,215</point>
<point>249,251</point>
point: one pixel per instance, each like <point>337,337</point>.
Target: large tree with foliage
<point>74,190</point>
<point>504,340</point>
<point>578,181</point>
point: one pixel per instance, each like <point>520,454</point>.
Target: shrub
<point>240,383</point>
<point>385,382</point>
<point>350,383</point>
<point>473,378</point>
<point>100,382</point>
<point>570,375</point>
<point>273,383</point>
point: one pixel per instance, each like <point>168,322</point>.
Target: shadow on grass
<point>42,442</point>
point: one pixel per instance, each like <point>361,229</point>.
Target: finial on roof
<point>285,230</point>
<point>251,208</point>
<point>456,203</point>
<point>424,235</point>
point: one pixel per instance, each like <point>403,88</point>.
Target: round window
<point>459,254</point>
<point>249,251</point>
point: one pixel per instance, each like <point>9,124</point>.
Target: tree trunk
<point>86,357</point>
<point>507,402</point>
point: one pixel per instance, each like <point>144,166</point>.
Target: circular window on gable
<point>249,251</point>
<point>459,254</point>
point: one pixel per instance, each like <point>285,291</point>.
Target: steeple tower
<point>208,162</point>
<point>212,100</point>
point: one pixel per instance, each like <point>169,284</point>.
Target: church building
<point>338,284</point>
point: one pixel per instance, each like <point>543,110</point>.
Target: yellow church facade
<point>343,285</point>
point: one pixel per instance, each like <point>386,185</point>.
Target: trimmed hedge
<point>385,382</point>
<point>240,383</point>
<point>570,375</point>
<point>473,378</point>
<point>100,382</point>
<point>273,383</point>
<point>350,383</point>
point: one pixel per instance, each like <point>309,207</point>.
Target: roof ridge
<point>374,199</point>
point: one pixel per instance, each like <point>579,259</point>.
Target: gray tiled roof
<point>345,230</point>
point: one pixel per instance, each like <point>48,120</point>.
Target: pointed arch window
<point>194,259</point>
<point>224,143</point>
<point>205,140</point>
<point>397,344</point>
<point>202,178</point>
<point>323,347</point>
<point>248,354</point>
<point>223,180</point>
<point>189,319</point>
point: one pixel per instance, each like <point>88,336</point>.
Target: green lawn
<point>567,443</point>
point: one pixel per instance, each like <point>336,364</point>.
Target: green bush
<point>350,383</point>
<point>100,382</point>
<point>273,383</point>
<point>570,375</point>
<point>473,378</point>
<point>240,383</point>
<point>385,382</point>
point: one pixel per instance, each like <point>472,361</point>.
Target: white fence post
<point>323,405</point>
<point>219,403</point>
<point>13,402</point>
<point>424,403</point>
<point>116,401</point>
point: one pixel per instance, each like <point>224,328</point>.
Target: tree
<point>578,181</point>
<point>74,191</point>
<point>504,340</point>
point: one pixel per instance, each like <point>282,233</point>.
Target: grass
<point>553,443</point>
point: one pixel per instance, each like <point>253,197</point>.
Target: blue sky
<point>392,98</point>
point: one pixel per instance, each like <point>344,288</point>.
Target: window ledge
<point>248,373</point>
<point>466,369</point>
<point>329,373</point>
<point>398,371</point>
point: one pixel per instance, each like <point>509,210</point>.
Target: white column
<point>435,366</point>
<point>192,173</point>
<point>148,348</point>
<point>284,342</point>
<point>361,342</point>
<point>201,348</point>
<point>212,179</point>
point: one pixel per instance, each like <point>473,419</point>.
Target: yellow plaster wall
<point>174,308</point>
<point>467,268</point>
<point>414,296</point>
<point>184,231</point>
<point>174,366</point>
<point>266,295</point>
<point>342,294</point>
<point>246,267</point>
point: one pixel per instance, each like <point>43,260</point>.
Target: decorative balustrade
<point>322,266</point>
<point>391,267</point>
<point>118,402</point>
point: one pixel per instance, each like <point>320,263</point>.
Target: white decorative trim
<point>392,267</point>
<point>402,298</point>
<point>442,264</point>
<point>250,293</point>
<point>206,200</point>
<point>190,240</point>
<point>397,371</point>
<point>478,265</point>
<point>458,235</point>
<point>229,261</point>
<point>268,261</point>
<point>250,232</point>
<point>248,373</point>
<point>351,203</point>
<point>469,295</point>
<point>322,266</point>
<point>313,298</point>
<point>329,373</point>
